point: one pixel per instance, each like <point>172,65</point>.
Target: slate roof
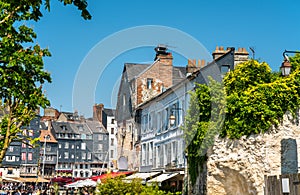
<point>109,112</point>
<point>133,69</point>
<point>81,128</point>
<point>58,127</point>
<point>96,126</point>
<point>179,73</point>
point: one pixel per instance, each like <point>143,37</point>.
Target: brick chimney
<point>97,112</point>
<point>193,65</point>
<point>240,55</point>
<point>218,52</point>
<point>163,56</point>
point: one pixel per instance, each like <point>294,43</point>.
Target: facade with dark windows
<point>22,158</point>
<point>140,83</point>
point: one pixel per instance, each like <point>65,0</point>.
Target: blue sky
<point>268,26</point>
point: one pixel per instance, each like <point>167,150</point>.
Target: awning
<point>110,175</point>
<point>33,179</point>
<point>162,177</point>
<point>143,176</point>
<point>7,179</point>
<point>82,183</point>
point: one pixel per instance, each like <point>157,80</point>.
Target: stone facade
<point>239,166</point>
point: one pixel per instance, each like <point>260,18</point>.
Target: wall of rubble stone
<point>239,166</point>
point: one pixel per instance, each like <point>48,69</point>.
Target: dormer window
<point>63,127</point>
<point>149,83</point>
<point>225,69</point>
<point>80,128</point>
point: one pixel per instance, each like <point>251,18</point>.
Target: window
<point>111,153</point>
<point>83,146</point>
<point>48,148</point>
<point>165,119</point>
<point>63,127</point>
<point>150,121</point>
<point>66,145</point>
<point>23,156</point>
<point>80,128</point>
<point>149,83</point>
<point>124,99</point>
<point>30,133</point>
<point>72,156</point>
<point>150,152</point>
<point>159,122</point>
<point>112,141</point>
<point>59,145</point>
<point>225,69</point>
<point>89,155</point>
<point>72,146</point>
<point>83,155</point>
<point>144,154</point>
<point>100,147</point>
<point>10,158</point>
<point>10,148</point>
<point>30,156</point>
<point>112,130</point>
<point>144,123</point>
<point>66,155</point>
<point>24,132</point>
<point>23,145</point>
<point>100,137</point>
<point>49,158</point>
<point>112,121</point>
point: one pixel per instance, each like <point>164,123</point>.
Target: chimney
<point>240,55</point>
<point>163,56</point>
<point>193,66</point>
<point>218,52</point>
<point>49,125</point>
<point>97,112</point>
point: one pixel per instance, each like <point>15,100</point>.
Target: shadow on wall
<point>289,156</point>
<point>234,183</point>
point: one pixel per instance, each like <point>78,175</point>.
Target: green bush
<point>116,186</point>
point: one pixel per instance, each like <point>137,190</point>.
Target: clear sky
<point>268,26</point>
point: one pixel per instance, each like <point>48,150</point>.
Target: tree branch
<point>10,14</point>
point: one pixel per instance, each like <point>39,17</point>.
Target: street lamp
<point>172,118</point>
<point>286,64</point>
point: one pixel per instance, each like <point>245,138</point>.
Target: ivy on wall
<point>250,100</point>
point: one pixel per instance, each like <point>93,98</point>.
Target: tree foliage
<point>116,186</point>
<point>22,71</point>
<point>254,99</point>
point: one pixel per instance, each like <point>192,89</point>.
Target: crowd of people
<point>11,188</point>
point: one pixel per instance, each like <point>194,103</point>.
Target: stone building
<point>139,83</point>
<point>108,121</point>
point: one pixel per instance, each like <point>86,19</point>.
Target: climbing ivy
<point>251,99</point>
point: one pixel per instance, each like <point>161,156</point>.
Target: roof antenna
<point>253,52</point>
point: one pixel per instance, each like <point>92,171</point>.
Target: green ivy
<point>251,99</point>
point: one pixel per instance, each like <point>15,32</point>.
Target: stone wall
<point>239,166</point>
